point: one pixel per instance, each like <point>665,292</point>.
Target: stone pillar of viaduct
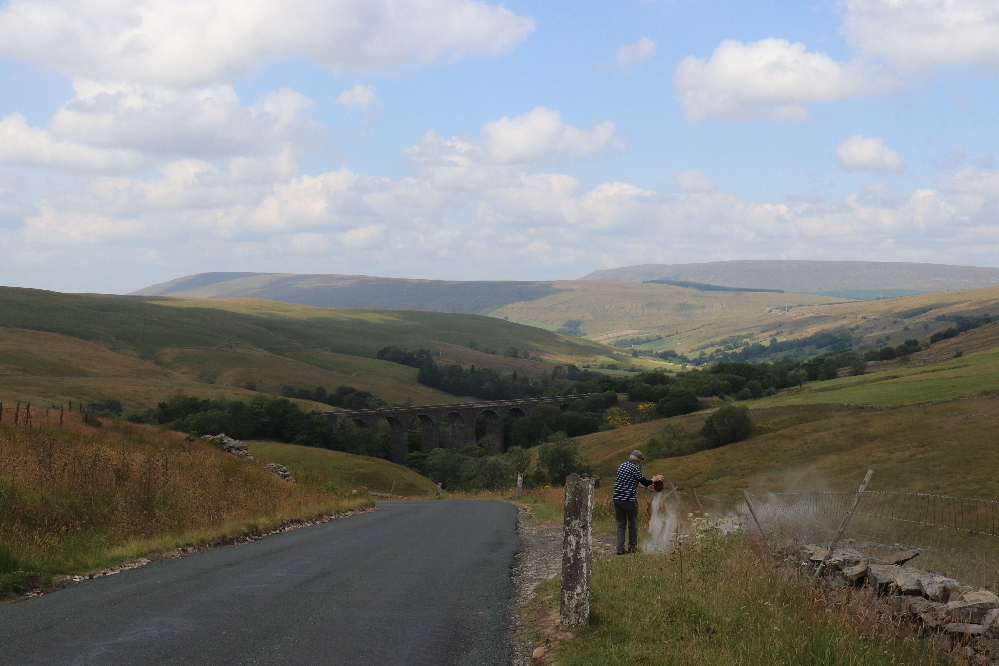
<point>461,415</point>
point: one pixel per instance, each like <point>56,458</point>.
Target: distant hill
<point>357,291</point>
<point>862,280</point>
<point>602,307</point>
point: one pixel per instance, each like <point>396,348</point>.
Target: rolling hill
<point>848,279</point>
<point>59,347</point>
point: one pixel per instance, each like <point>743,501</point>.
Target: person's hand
<point>658,477</point>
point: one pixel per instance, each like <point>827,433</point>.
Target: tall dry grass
<point>721,600</point>
<point>79,497</point>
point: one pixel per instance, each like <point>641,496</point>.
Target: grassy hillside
<point>344,472</point>
<point>609,309</point>
<point>60,347</point>
<point>922,428</point>
<point>81,497</point>
<point>887,321</point>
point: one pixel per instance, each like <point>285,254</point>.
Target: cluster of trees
<point>910,346</point>
<point>483,383</point>
<point>963,324</point>
<point>581,418</point>
<point>730,423</point>
<point>831,340</point>
<point>347,397</point>
<point>572,327</point>
<point>634,342</point>
<point>263,417</point>
<point>472,469</point>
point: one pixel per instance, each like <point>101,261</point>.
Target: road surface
<point>411,583</point>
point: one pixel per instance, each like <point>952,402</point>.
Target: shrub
<point>559,457</point>
<point>731,423</point>
<point>673,440</point>
<point>679,401</point>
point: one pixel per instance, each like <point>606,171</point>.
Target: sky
<point>467,140</point>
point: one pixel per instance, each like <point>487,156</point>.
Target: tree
<point>519,458</point>
<point>797,376</point>
<point>731,423</point>
<point>673,440</point>
<point>679,401</point>
<point>559,457</point>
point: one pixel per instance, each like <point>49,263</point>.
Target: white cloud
<point>770,79</point>
<point>360,95</point>
<point>542,134</point>
<point>693,180</point>
<point>32,146</point>
<point>917,33</point>
<point>205,122</point>
<point>180,43</point>
<point>532,226</point>
<point>859,152</point>
<point>640,51</point>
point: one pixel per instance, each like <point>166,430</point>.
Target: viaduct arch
<point>462,416</point>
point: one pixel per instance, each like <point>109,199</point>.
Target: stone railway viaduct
<point>462,416</point>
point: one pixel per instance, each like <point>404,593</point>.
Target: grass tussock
<point>78,498</point>
<point>722,600</point>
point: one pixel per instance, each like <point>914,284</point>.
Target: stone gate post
<point>577,552</point>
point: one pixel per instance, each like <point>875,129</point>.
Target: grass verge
<point>80,498</point>
<point>712,599</point>
<point>723,601</point>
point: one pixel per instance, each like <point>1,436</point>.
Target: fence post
<point>520,484</point>
<point>60,416</point>
<point>752,512</point>
<point>697,501</point>
<point>17,412</point>
<point>1,412</point>
<point>438,491</point>
<point>577,552</point>
<point>842,525</point>
<point>27,415</point>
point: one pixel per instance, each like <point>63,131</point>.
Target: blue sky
<point>143,141</point>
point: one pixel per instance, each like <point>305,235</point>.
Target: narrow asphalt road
<point>410,583</point>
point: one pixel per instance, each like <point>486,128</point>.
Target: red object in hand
<point>658,485</point>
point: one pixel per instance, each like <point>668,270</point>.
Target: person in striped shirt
<point>629,477</point>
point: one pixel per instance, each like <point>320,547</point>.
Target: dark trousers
<point>626,513</point>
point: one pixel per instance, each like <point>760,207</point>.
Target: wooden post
<point>1,412</point>
<point>392,492</point>
<point>17,412</point>
<point>697,500</point>
<point>46,416</point>
<point>27,415</point>
<point>438,491</point>
<point>60,416</point>
<point>842,525</point>
<point>520,484</point>
<point>752,512</point>
<point>577,552</point>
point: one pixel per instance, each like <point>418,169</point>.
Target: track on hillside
<point>411,583</point>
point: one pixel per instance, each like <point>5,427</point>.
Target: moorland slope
<point>60,347</point>
<point>850,279</point>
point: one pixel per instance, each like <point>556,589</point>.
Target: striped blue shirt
<point>629,475</point>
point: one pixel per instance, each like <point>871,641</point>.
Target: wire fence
<point>955,536</point>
